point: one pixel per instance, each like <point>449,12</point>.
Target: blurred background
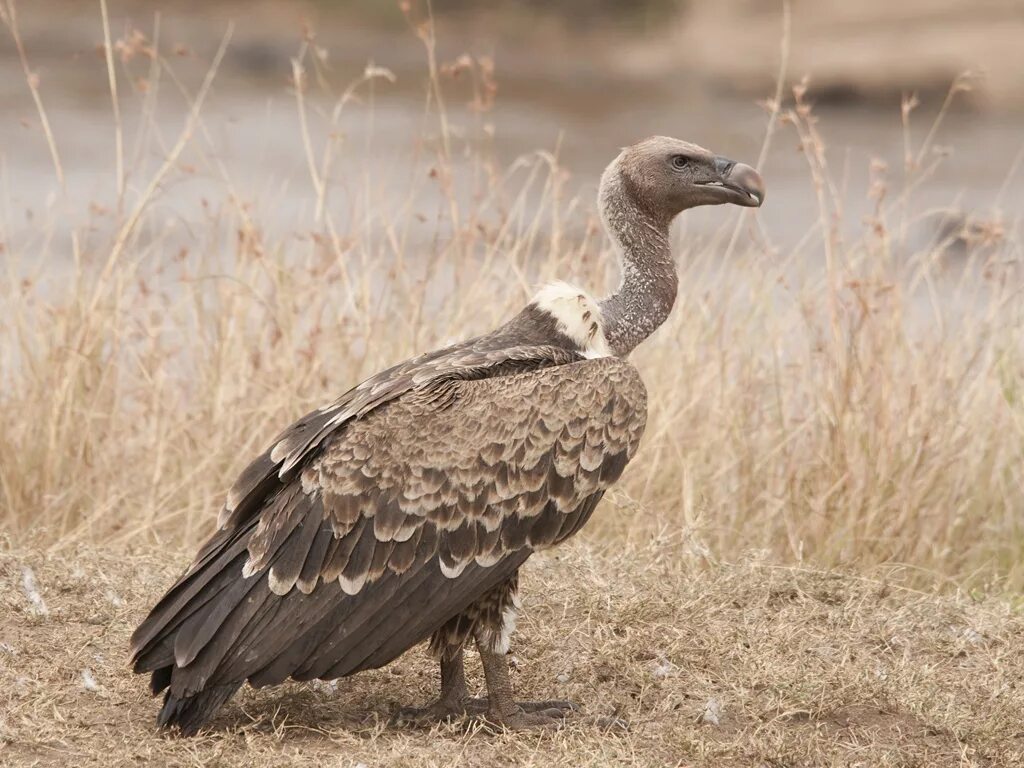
<point>216,215</point>
<point>247,207</point>
<point>576,77</point>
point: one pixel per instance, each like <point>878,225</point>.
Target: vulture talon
<point>451,704</point>
<point>482,706</point>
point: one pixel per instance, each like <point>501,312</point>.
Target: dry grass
<point>850,403</point>
<point>737,665</point>
<point>853,401</point>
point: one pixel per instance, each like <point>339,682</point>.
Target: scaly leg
<point>503,709</point>
<point>452,701</point>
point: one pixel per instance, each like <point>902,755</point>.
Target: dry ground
<point>726,665</point>
<point>866,412</point>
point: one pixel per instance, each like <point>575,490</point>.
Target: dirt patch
<point>733,666</point>
<point>880,726</point>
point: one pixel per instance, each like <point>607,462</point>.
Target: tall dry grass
<point>854,401</point>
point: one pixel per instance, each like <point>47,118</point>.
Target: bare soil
<point>724,665</point>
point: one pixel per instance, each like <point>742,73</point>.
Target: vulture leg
<point>504,710</point>
<point>452,701</point>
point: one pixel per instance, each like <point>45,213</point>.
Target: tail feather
<point>160,679</point>
<point>190,713</point>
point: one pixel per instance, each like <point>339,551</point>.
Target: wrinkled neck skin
<point>649,280</point>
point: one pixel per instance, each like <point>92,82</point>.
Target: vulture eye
<point>680,162</point>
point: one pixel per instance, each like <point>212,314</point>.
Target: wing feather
<point>200,629</point>
<point>314,564</point>
<point>291,555</point>
<point>357,569</point>
<point>338,561</point>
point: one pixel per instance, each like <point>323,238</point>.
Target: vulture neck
<point>649,280</point>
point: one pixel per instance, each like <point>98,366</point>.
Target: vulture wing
<point>372,522</point>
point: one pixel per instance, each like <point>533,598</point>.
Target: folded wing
<point>348,543</point>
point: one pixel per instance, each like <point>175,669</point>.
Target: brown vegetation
<point>733,665</point>
<point>850,402</point>
<point>855,403</point>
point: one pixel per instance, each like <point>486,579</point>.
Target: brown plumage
<point>402,511</point>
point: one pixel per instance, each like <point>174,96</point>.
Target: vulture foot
<point>501,709</point>
<point>449,705</point>
<point>483,706</point>
<point>520,718</point>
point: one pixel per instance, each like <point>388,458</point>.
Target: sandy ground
<point>738,665</point>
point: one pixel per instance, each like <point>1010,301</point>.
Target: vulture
<point>402,512</point>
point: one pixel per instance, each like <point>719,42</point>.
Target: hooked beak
<point>747,183</point>
<point>740,184</point>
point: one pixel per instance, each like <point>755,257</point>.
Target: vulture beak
<point>746,181</point>
<point>741,183</point>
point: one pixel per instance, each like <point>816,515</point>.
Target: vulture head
<point>666,176</point>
